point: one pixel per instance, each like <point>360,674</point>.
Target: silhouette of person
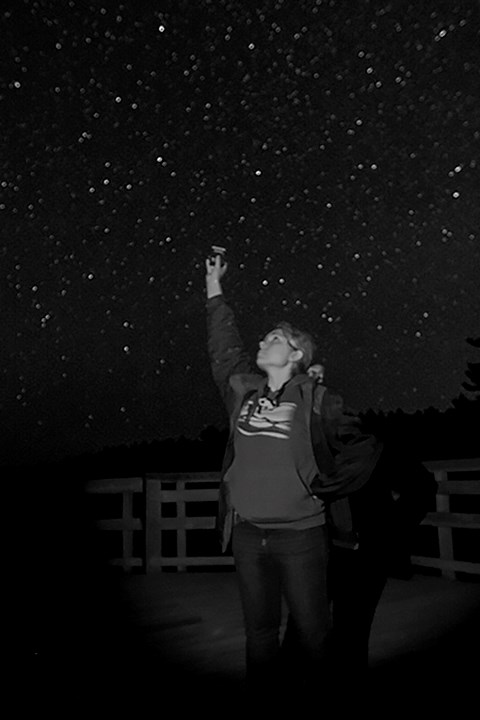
<point>381,515</point>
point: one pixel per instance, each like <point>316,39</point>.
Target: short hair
<point>301,340</point>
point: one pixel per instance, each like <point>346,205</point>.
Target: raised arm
<point>225,346</point>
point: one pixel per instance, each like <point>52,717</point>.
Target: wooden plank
<point>211,560</point>
<point>131,561</point>
<point>119,524</point>
<point>463,464</point>
<point>127,535</point>
<point>114,485</point>
<point>445,540</point>
<point>441,476</point>
<point>448,519</point>
<point>188,523</point>
<point>459,487</point>
<point>450,565</point>
<point>213,476</point>
<point>153,522</point>
<point>181,531</point>
<point>194,495</point>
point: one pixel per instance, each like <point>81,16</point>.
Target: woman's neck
<point>277,380</point>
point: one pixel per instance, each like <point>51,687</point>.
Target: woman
<point>273,477</point>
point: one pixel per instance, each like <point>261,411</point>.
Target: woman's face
<point>276,350</point>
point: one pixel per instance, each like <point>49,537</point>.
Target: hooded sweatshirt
<point>267,485</point>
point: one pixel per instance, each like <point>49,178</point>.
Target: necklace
<point>273,396</point>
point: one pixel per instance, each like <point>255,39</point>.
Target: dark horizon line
<point>459,404</point>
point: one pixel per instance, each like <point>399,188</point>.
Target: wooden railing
<point>446,520</point>
<point>127,524</point>
<point>183,493</point>
<point>177,520</point>
<point>169,518</point>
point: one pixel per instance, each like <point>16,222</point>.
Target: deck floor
<point>139,637</point>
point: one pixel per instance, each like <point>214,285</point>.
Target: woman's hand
<point>215,270</point>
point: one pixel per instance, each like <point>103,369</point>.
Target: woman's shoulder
<point>243,382</point>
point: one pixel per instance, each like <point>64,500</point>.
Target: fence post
<point>181,529</point>
<point>153,522</point>
<point>445,539</point>
<point>127,533</point>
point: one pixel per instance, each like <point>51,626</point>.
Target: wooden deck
<point>146,638</point>
<point>91,640</point>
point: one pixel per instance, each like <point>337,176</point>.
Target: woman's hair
<point>301,340</point>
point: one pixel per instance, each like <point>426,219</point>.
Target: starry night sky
<point>331,146</point>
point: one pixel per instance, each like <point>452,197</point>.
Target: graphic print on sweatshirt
<point>267,419</point>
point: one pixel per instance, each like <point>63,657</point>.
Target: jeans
<point>288,564</point>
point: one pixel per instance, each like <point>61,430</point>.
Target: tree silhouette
<point>473,371</point>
